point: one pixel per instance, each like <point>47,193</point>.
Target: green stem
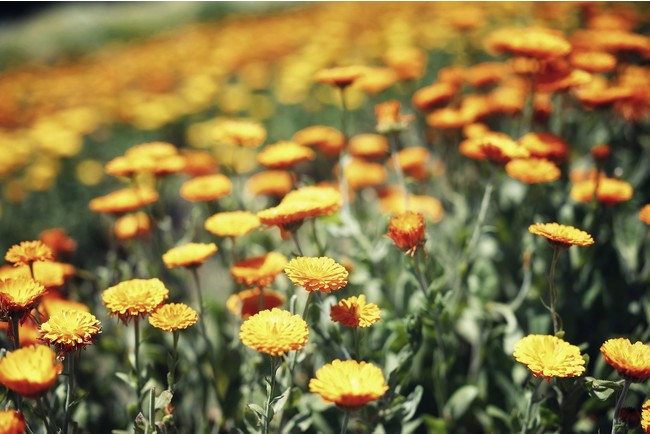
<point>346,420</point>
<point>485,202</point>
<point>553,292</point>
<point>343,160</point>
<point>420,276</point>
<point>357,343</point>
<point>306,308</point>
<point>269,398</point>
<point>294,237</point>
<point>393,140</point>
<point>136,335</point>
<point>15,324</point>
<point>69,392</point>
<point>233,250</point>
<point>171,376</point>
<point>152,411</point>
<point>46,419</point>
<point>619,403</point>
<point>199,294</point>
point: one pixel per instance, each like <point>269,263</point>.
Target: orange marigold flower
<point>189,255</point>
<point>29,371</point>
<point>239,132</point>
<point>58,241</point>
<point>134,297</point>
<point>368,146</point>
<point>645,417</point>
<point>593,61</point>
<point>610,191</point>
<point>348,383</point>
<point>328,140</point>
<point>360,174</point>
<point>129,226</point>
<point>533,170</point>
<point>644,214</point>
<point>53,302</point>
<point>392,202</point>
<point>125,200</point>
<point>388,118</point>
<point>70,330</point>
<point>259,271</point>
<point>545,145</point>
<point>284,154</point>
<point>206,188</point>
<point>12,422</point>
<point>355,312</point>
<point>173,316</point>
<point>251,301</point>
<point>449,118</point>
<point>407,231</point>
<point>274,332</point>
<point>486,74</point>
<point>631,361</point>
<point>411,159</point>
<point>475,130</point>
<point>199,163</point>
<point>375,80</point>
<point>408,62</point>
<point>50,274</point>
<point>341,76</point>
<point>561,235</point>
<point>270,182</point>
<point>501,148</point>
<point>434,95</point>
<point>531,42</point>
<point>232,223</point>
<point>548,356</point>
<point>28,252</point>
<point>19,296</point>
<point>317,274</point>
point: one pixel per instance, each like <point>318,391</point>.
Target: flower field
<point>385,218</point>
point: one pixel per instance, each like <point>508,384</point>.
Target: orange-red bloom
<point>355,312</point>
<point>631,361</point>
<point>12,422</point>
<point>251,301</point>
<point>30,371</point>
<point>407,231</point>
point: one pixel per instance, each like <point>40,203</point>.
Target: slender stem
<point>420,276</point>
<point>15,324</point>
<point>69,392</point>
<point>31,270</point>
<point>268,416</point>
<point>294,237</point>
<point>233,250</point>
<point>357,343</point>
<point>393,140</point>
<point>136,335</point>
<point>306,308</point>
<point>171,376</point>
<point>343,159</point>
<point>44,411</point>
<point>319,245</point>
<point>553,291</point>
<point>199,294</point>
<point>619,403</point>
<point>346,420</point>
<point>485,202</point>
<point>152,410</point>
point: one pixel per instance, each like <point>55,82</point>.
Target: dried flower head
<point>631,361</point>
<point>28,252</point>
<point>560,235</point>
<point>251,301</point>
<point>259,271</point>
<point>173,316</point>
<point>348,383</point>
<point>29,371</point>
<point>232,223</point>
<point>70,330</point>
<point>206,188</point>
<point>12,422</point>
<point>189,255</point>
<point>549,356</point>
<point>135,297</point>
<point>407,231</point>
<point>317,274</point>
<point>355,312</point>
<point>533,170</point>
<point>274,332</point>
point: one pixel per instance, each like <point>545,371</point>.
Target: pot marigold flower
<point>173,316</point>
<point>12,422</point>
<point>274,332</point>
<point>530,42</point>
<point>392,202</point>
<point>19,296</point>
<point>434,95</point>
<point>593,61</point>
<point>408,62</point>
<point>134,297</point>
<point>51,274</point>
<point>317,274</point>
<point>29,371</point>
<point>533,170</point>
<point>129,226</point>
<point>28,252</point>
<point>449,118</point>
<point>70,330</point>
<point>645,416</point>
<point>545,145</point>
<point>355,312</point>
<point>328,140</point>
<point>58,241</point>
<point>644,214</point>
<point>388,118</point>
<point>360,173</point>
<point>251,301</point>
<point>259,271</point>
<point>501,148</point>
<point>206,188</point>
<point>375,80</point>
<point>270,182</point>
<point>412,160</point>
<point>561,235</point>
<point>232,223</point>
<point>239,132</point>
<point>548,356</point>
<point>348,383</point>
<point>125,200</point>
<point>369,146</point>
<point>407,231</point>
<point>610,191</point>
<point>198,163</point>
<point>189,255</point>
<point>631,361</point>
<point>341,76</point>
<point>284,154</point>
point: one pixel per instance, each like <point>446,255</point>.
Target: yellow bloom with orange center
<point>239,132</point>
<point>341,76</point>
<point>355,312</point>
<point>19,296</point>
<point>317,274</point>
<point>29,371</point>
<point>561,235</point>
<point>12,422</point>
<point>270,182</point>
<point>129,226</point>
<point>173,316</point>
<point>645,417</point>
<point>631,360</point>
<point>70,330</point>
<point>251,301</point>
<point>610,191</point>
<point>548,356</point>
<point>232,223</point>
<point>644,214</point>
<point>135,297</point>
<point>407,231</point>
<point>274,332</point>
<point>533,170</point>
<point>206,188</point>
<point>28,252</point>
<point>189,255</point>
<point>348,383</point>
<point>259,271</point>
<point>284,154</point>
<point>370,146</point>
<point>125,200</point>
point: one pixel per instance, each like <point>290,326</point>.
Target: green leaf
<point>279,402</point>
<point>461,401</point>
<point>126,378</point>
<point>435,425</point>
<point>163,399</point>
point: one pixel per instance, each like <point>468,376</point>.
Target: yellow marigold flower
<point>251,301</point>
<point>645,417</point>
<point>19,296</point>
<point>368,146</point>
<point>57,240</point>
<point>360,174</point>
<point>198,163</point>
<point>501,148</point>
<point>545,145</point>
<point>644,214</point>
<point>189,255</point>
<point>389,119</point>
<point>407,231</point>
<point>129,226</point>
<point>561,235</point>
<point>28,252</point>
<point>317,274</point>
<point>29,371</point>
<point>206,188</point>
<point>328,140</point>
<point>239,132</point>
<point>232,223</point>
<point>53,302</point>
<point>610,191</point>
<point>348,383</point>
<point>533,170</point>
<point>530,42</point>
<point>11,422</point>
<point>270,182</point>
<point>274,332</point>
<point>355,312</point>
<point>433,96</point>
<point>593,61</point>
<point>392,202</point>
<point>173,316</point>
<point>408,62</point>
<point>375,80</point>
<point>70,330</point>
<point>259,271</point>
<point>125,200</point>
<point>549,356</point>
<point>341,77</point>
<point>631,361</point>
<point>134,297</point>
<point>282,155</point>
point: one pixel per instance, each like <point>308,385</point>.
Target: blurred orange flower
<point>610,191</point>
<point>434,95</point>
<point>239,132</point>
<point>29,371</point>
<point>125,200</point>
<point>58,241</point>
<point>284,154</point>
<point>348,383</point>
<point>232,223</point>
<point>545,145</point>
<point>328,140</point>
<point>531,42</point>
<point>560,235</point>
<point>376,80</point>
<point>408,62</point>
<point>361,174</point>
<point>129,226</point>
<point>593,61</point>
<point>644,214</point>
<point>355,312</point>
<point>370,146</point>
<point>251,301</point>
<point>189,255</point>
<point>341,76</point>
<point>533,170</point>
<point>259,271</point>
<point>389,119</point>
<point>631,361</point>
<point>270,182</point>
<point>12,422</point>
<point>206,188</point>
<point>274,332</point>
